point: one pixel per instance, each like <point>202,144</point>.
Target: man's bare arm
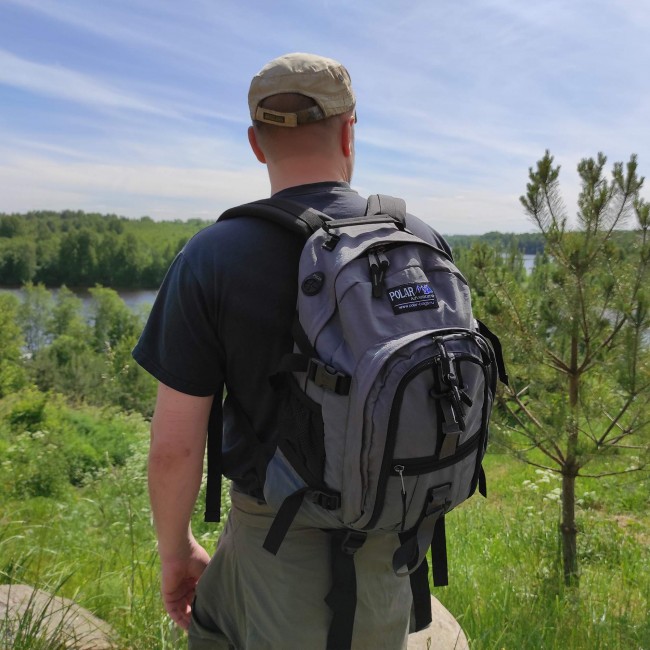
<point>178,435</point>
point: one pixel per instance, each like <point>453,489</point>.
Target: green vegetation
<point>506,583</point>
<point>95,542</point>
<point>81,250</point>
<point>527,243</point>
<point>78,249</point>
<point>86,357</point>
<point>577,335</point>
<point>74,516</point>
<point>74,513</point>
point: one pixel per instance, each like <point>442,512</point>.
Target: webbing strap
<point>288,214</point>
<point>384,204</point>
<point>439,554</point>
<point>451,428</point>
<point>482,482</point>
<point>283,520</point>
<point>342,598</point>
<point>408,557</point>
<point>498,350</point>
<point>419,580</point>
<point>449,444</point>
<point>214,458</point>
<point>301,338</point>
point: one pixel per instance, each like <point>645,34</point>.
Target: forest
<point>556,557</point>
<point>80,249</point>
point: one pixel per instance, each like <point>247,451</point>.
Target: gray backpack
<point>385,399</point>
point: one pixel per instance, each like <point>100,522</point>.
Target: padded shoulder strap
<point>384,204</point>
<point>288,214</point>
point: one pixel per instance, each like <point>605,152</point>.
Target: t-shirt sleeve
<point>179,344</point>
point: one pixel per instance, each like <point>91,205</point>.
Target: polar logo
<point>402,292</point>
<point>412,297</point>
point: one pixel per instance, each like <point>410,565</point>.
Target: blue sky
<point>138,107</point>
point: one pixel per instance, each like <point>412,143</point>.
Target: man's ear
<point>252,139</point>
<point>347,137</point>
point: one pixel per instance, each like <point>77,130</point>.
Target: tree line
<point>527,243</point>
<point>82,249</point>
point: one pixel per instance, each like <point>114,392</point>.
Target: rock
<point>444,633</point>
<point>24,609</point>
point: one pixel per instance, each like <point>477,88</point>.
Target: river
<point>135,299</point>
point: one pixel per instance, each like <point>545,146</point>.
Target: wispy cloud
<point>61,83</point>
<point>138,188</point>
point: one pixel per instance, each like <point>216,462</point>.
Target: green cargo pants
<point>248,599</point>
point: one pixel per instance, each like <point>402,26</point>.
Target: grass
<point>506,586</point>
<point>95,545</point>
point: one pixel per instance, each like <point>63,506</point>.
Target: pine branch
<point>629,470</point>
<point>537,442</point>
<point>558,363</point>
<point>614,421</point>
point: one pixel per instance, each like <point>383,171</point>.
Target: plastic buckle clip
<point>326,500</point>
<point>438,499</point>
<point>325,376</point>
<point>353,541</point>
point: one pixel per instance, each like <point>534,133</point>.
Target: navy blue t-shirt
<point>222,319</point>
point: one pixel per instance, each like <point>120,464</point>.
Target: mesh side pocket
<point>302,434</point>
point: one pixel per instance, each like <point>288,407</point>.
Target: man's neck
<point>291,175</point>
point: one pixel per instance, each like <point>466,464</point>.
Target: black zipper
<point>418,466</point>
<point>415,466</point>
<point>392,432</point>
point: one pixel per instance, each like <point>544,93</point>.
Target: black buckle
<point>438,500</point>
<point>353,541</point>
<point>326,500</point>
<point>325,376</point>
<point>330,243</point>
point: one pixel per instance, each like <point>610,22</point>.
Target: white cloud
<point>59,82</point>
<point>33,182</point>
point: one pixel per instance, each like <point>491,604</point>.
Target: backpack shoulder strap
<point>288,214</point>
<point>384,204</point>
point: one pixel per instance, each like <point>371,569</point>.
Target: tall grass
<point>95,544</point>
<point>506,586</point>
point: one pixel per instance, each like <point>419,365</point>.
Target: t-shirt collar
<point>314,188</point>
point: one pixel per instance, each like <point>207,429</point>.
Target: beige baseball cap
<point>325,80</point>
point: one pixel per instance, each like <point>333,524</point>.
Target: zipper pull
<point>400,470</point>
<point>378,266</point>
<point>376,274</point>
<point>383,262</point>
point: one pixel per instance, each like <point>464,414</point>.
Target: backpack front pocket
<point>449,382</point>
<point>414,478</point>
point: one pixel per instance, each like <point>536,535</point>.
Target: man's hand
<point>179,578</point>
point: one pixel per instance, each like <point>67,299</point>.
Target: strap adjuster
<point>326,500</point>
<point>325,376</point>
<point>438,500</point>
<point>353,541</point>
